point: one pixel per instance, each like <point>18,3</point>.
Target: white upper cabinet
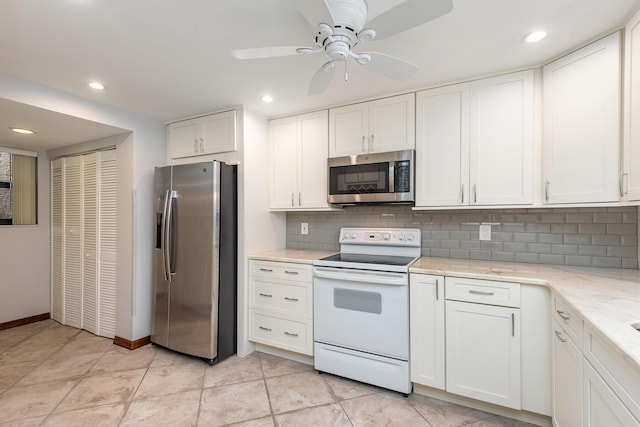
<point>632,110</point>
<point>211,134</point>
<point>298,162</point>
<point>474,142</point>
<point>501,140</point>
<point>581,125</point>
<point>378,126</point>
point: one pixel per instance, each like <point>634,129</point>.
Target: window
<point>18,184</point>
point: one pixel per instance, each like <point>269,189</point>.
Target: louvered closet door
<point>72,288</point>
<point>89,244</point>
<point>57,239</point>
<point>107,242</point>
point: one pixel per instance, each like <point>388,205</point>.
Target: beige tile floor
<point>53,375</point>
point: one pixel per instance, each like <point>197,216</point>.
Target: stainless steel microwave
<point>372,178</point>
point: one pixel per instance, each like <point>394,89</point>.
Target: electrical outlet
<point>304,228</point>
<point>485,231</point>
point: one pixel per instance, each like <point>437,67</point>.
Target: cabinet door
<point>312,157</point>
<point>283,164</point>
<point>184,139</point>
<point>601,406</point>
<point>442,146</point>
<point>483,352</point>
<point>501,140</point>
<point>567,380</point>
<point>218,132</point>
<point>427,330</point>
<point>392,124</point>
<point>632,108</point>
<point>581,124</point>
<point>348,130</point>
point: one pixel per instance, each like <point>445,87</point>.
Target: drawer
<point>566,316</point>
<point>281,270</point>
<point>292,298</point>
<point>287,334</point>
<point>622,379</point>
<point>482,291</point>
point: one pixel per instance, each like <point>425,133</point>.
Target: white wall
<point>25,284</point>
<point>145,148</point>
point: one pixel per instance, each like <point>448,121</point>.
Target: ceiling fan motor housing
<point>350,14</point>
<point>349,17</point>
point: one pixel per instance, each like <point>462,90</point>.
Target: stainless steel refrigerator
<point>195,259</point>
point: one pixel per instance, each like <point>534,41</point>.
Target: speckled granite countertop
<point>608,299</point>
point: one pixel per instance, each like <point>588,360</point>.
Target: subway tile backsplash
<point>594,237</point>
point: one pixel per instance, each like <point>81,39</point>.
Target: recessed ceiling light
<point>96,85</point>
<point>267,98</point>
<point>535,36</point>
<point>23,131</point>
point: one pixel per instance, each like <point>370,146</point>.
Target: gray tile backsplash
<point>597,237</point>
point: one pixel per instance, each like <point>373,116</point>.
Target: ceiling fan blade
<point>314,11</point>
<point>320,80</point>
<point>390,66</point>
<point>407,15</point>
<point>265,52</point>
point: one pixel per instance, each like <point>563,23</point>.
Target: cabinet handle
<point>201,145</point>
<point>562,314</point>
<point>462,193</point>
<point>622,175</point>
<point>437,296</point>
<point>474,292</point>
<point>291,334</point>
<point>264,329</point>
<point>292,200</point>
<point>546,190</point>
<point>195,145</point>
<point>266,295</point>
<point>266,270</point>
<point>371,145</point>
<point>291,272</point>
<point>291,299</point>
<point>559,336</point>
<point>475,194</point>
<point>299,198</point>
<point>513,324</point>
<point>363,137</point>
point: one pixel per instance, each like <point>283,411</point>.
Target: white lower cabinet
<point>281,305</point>
<point>427,330</point>
<point>567,384</point>
<point>601,406</point>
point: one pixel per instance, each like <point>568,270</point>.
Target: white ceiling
<point>168,59</point>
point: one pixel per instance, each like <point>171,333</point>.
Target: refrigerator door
<point>162,188</point>
<point>194,243</point>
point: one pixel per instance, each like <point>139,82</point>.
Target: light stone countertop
<point>608,299</point>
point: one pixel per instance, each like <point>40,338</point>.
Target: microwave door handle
<point>392,186</point>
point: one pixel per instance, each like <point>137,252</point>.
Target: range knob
<point>411,236</point>
<point>354,235</point>
<point>386,236</point>
<point>401,237</point>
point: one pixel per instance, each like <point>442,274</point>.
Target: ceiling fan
<point>339,25</point>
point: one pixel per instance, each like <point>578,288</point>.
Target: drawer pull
<point>474,292</point>
<point>264,329</point>
<point>559,336</point>
<point>267,270</point>
<point>266,295</point>
<point>291,272</point>
<point>562,314</point>
<point>291,299</point>
<point>291,334</point>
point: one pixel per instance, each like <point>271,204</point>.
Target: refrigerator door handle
<point>167,241</point>
<point>163,235</point>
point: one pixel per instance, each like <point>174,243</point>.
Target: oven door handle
<point>382,278</point>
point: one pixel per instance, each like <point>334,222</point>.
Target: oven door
<point>362,310</point>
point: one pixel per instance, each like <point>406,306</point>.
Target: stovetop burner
<point>370,259</point>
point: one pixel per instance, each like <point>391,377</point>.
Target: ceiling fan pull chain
<point>346,74</point>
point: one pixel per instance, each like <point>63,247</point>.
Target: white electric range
<point>361,306</point>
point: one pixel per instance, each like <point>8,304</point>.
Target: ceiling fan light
<point>535,36</point>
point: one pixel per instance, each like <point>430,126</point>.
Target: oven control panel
<point>381,236</point>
